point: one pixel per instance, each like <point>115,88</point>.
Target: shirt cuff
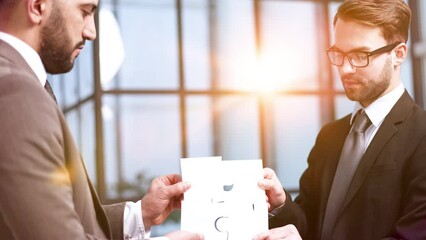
<point>132,221</point>
<point>274,212</point>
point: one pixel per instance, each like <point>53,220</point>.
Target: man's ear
<point>400,54</point>
<point>36,9</point>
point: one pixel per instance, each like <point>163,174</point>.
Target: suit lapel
<point>387,130</point>
<point>100,213</point>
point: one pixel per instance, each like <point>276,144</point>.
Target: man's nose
<point>347,66</point>
<point>89,31</point>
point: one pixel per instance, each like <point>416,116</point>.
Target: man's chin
<point>351,95</point>
<point>59,68</point>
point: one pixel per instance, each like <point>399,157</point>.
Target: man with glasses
<point>366,175</point>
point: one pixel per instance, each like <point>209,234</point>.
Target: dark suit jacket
<point>44,189</point>
<point>387,196</point>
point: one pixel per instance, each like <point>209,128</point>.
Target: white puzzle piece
<point>225,201</point>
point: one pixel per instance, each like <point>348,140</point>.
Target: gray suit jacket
<point>387,196</point>
<point>44,189</point>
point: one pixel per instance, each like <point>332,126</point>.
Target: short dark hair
<point>7,3</point>
<point>391,16</point>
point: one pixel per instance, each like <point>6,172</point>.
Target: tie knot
<point>362,122</point>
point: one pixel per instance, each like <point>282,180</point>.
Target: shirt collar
<point>29,55</point>
<point>379,109</point>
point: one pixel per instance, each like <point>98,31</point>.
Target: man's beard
<point>371,89</point>
<point>56,45</point>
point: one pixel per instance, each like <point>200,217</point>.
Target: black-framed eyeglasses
<point>356,58</point>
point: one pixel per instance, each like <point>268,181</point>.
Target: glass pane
<point>332,11</point>
<point>111,47</point>
<point>147,140</point>
<point>88,139</point>
<point>289,45</point>
<point>407,72</point>
<point>85,69</point>
<point>237,127</point>
<point>297,122</point>
<point>71,90</point>
<point>234,43</point>
<point>200,126</point>
<point>196,44</point>
<point>111,119</point>
<point>422,10</point>
<point>149,33</point>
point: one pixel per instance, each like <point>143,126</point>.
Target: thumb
<point>177,189</point>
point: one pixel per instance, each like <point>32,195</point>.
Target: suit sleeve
<point>115,216</point>
<point>290,213</point>
<point>36,196</point>
<point>412,223</point>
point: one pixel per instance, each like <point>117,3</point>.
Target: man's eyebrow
<point>92,7</point>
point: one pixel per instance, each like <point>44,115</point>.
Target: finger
<point>176,190</point>
<point>175,203</point>
<point>270,180</point>
<point>268,173</point>
<point>171,179</point>
<point>262,236</point>
<point>266,184</point>
<point>199,236</point>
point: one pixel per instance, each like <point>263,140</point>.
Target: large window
<point>242,79</point>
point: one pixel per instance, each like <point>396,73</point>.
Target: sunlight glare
<point>266,76</point>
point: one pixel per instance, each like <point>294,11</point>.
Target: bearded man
<point>44,189</point>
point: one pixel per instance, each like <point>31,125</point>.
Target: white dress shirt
<point>133,224</point>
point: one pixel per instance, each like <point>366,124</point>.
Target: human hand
<point>163,196</point>
<point>288,232</point>
<point>183,235</point>
<point>274,191</point>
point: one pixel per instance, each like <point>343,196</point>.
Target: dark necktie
<point>352,152</point>
<point>49,90</point>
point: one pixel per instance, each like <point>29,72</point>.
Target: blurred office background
<point>241,79</point>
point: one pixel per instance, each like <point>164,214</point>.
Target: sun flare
<point>265,75</point>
